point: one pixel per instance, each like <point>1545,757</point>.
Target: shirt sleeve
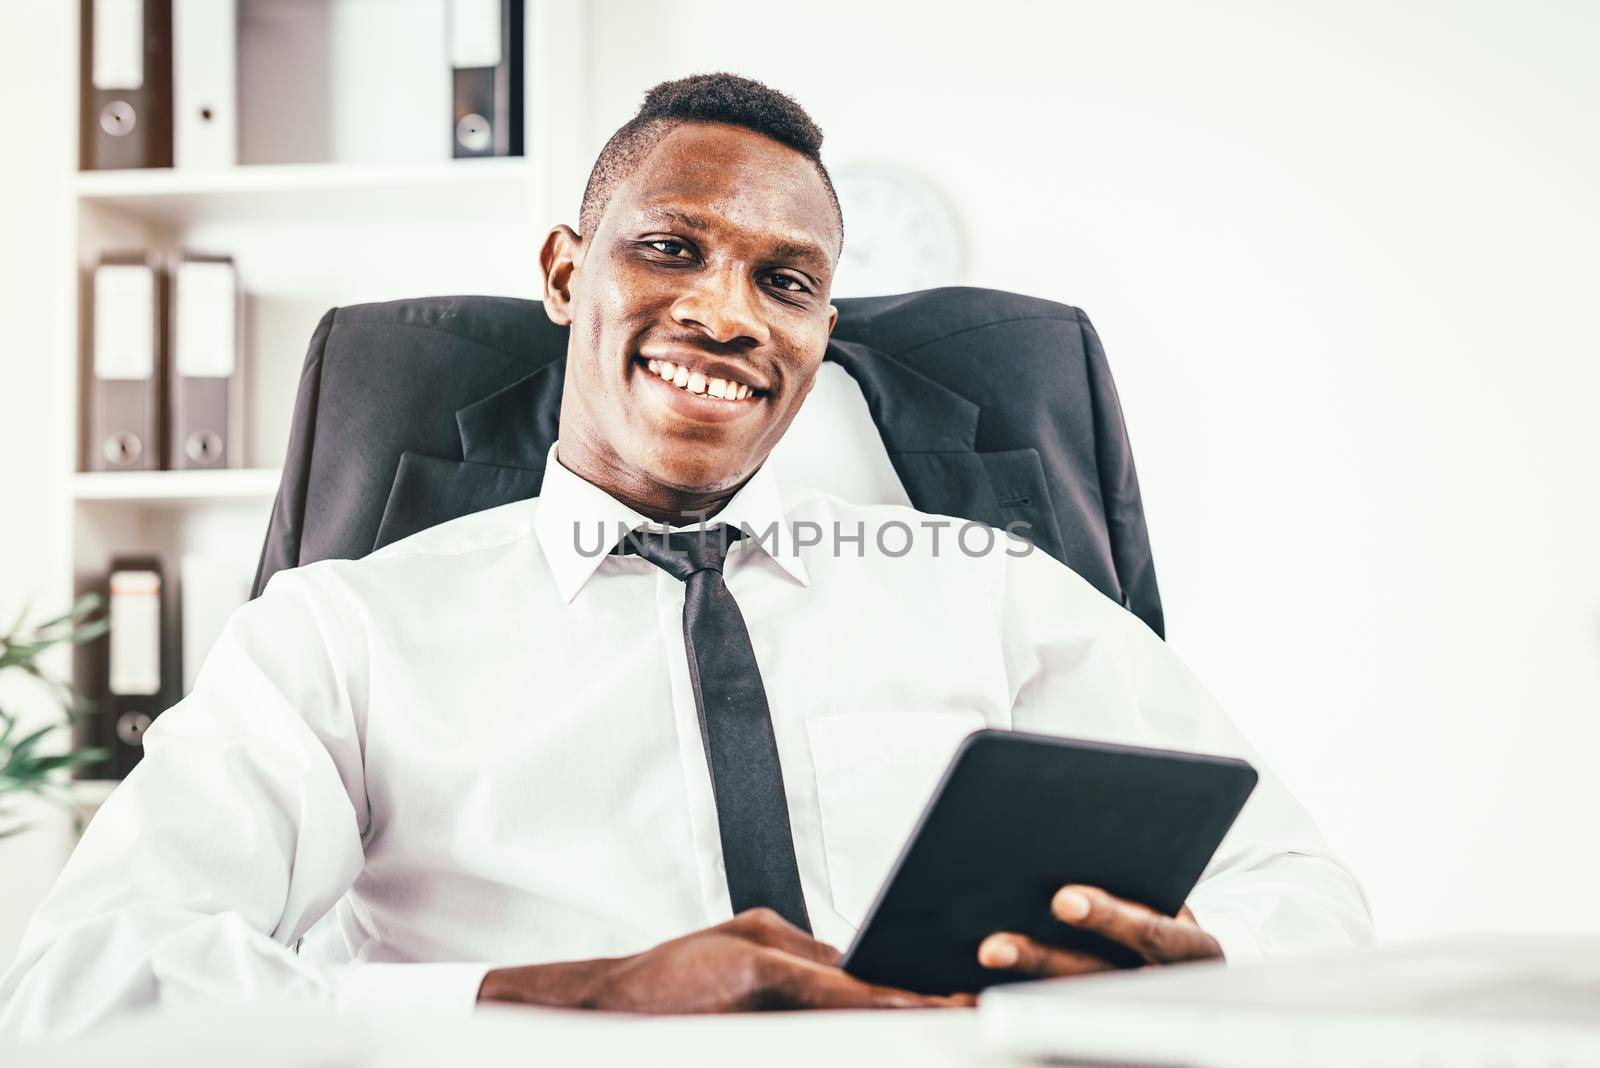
<point>239,829</point>
<point>1079,665</point>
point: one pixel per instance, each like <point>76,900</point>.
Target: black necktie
<point>735,723</point>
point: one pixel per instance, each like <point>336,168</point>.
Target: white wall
<point>35,266</point>
<point>35,444</point>
<point>1343,258</point>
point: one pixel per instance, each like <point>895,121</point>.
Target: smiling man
<point>485,764</point>
<point>703,270</point>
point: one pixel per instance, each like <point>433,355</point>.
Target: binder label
<point>118,60</point>
<point>124,321</point>
<point>135,616</point>
<point>207,309</point>
<point>474,33</point>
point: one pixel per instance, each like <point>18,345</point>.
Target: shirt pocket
<point>876,771</point>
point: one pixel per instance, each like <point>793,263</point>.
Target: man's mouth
<point>727,390</point>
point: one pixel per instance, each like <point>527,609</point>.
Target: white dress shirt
<point>479,747</point>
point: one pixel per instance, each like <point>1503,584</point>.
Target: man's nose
<point>721,302</point>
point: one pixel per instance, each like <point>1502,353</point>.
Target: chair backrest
<point>993,407</point>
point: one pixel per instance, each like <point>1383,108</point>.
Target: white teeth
<point>699,382</point>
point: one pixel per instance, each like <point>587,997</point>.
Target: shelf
<point>176,486</point>
<point>502,187</point>
<point>91,793</point>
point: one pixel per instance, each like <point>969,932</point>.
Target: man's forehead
<point>724,180</point>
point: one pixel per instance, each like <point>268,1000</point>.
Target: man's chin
<point>695,468</point>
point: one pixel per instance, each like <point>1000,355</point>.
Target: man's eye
<point>670,248</point>
<point>787,282</point>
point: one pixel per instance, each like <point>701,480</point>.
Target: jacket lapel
<point>505,439</point>
<point>428,491</point>
<point>914,413</point>
<point>516,426</point>
<point>931,434</point>
<point>929,431</point>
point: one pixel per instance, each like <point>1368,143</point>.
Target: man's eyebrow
<point>685,218</point>
<point>786,249</point>
<point>802,252</point>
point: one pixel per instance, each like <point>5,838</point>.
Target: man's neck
<point>661,504</point>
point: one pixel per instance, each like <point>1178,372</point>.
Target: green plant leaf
<point>85,605</point>
<point>23,654</point>
<point>18,647</point>
<point>39,767</point>
<point>21,617</point>
<point>35,670</point>
<point>22,748</point>
<point>22,768</point>
<point>90,631</point>
<point>81,607</point>
<point>20,653</point>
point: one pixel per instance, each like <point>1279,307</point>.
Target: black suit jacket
<point>994,407</point>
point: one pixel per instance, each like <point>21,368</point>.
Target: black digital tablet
<point>1018,816</point>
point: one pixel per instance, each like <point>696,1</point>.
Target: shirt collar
<point>577,523</point>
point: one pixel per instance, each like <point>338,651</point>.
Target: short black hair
<point>724,98</point>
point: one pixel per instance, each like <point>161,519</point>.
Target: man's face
<point>715,256</point>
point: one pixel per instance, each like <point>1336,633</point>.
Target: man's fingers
<point>1158,939</point>
<point>1019,953</point>
<point>805,985</point>
<point>848,992</point>
<point>765,927</point>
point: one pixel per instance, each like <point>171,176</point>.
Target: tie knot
<point>681,553</point>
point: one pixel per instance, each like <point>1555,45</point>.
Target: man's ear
<point>833,319</point>
<point>559,257</point>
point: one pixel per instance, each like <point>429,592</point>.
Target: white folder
<point>205,83</point>
<point>211,587</point>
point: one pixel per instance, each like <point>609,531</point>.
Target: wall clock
<point>900,234</point>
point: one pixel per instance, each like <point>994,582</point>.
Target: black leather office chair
<point>994,407</point>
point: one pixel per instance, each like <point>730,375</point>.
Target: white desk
<point>287,1038</point>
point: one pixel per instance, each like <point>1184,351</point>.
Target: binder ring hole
<point>123,448</point>
<point>473,133</point>
<point>118,118</point>
<point>203,446</point>
<point>131,727</point>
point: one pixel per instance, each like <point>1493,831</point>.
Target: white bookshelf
<point>345,194</point>
<point>87,795</point>
<point>177,487</point>
<point>455,189</point>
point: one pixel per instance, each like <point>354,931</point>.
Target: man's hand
<point>1158,939</point>
<point>757,960</point>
